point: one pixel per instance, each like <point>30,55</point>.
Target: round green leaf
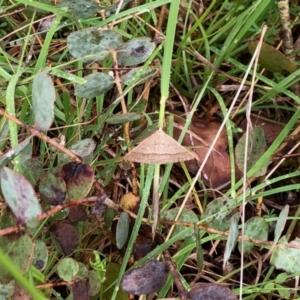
<point>20,252</point>
<point>97,84</point>
<point>135,51</point>
<point>40,255</point>
<point>256,228</point>
<point>32,169</point>
<point>43,97</point>
<point>122,230</point>
<point>52,189</point>
<point>94,283</point>
<point>138,75</point>
<point>83,148</point>
<point>67,268</point>
<point>82,272</point>
<point>7,290</point>
<point>82,8</point>
<point>79,179</point>
<point>256,148</point>
<point>186,216</point>
<point>286,258</point>
<point>20,197</point>
<point>123,118</point>
<point>93,42</point>
<point>216,213</point>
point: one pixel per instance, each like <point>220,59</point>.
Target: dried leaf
<point>200,136</point>
<point>147,279</point>
<point>211,291</point>
<point>66,237</point>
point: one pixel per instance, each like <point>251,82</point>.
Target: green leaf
<point>43,98</point>
<point>79,179</point>
<point>281,278</point>
<point>186,216</point>
<point>20,197</point>
<point>20,251</point>
<point>256,148</point>
<point>83,148</point>
<point>112,272</point>
<point>82,8</point>
<point>272,59</point>
<point>32,170</point>
<point>7,290</point>
<point>40,255</point>
<point>135,51</point>
<point>216,213</point>
<point>67,268</point>
<point>137,74</point>
<point>122,230</point>
<point>256,228</point>
<point>93,42</point>
<point>97,84</point>
<point>123,118</point>
<point>286,258</point>
<point>82,272</point>
<point>94,283</point>
<point>53,189</point>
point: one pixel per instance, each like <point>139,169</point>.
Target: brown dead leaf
<point>199,137</point>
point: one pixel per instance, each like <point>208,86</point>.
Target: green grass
<point>218,32</point>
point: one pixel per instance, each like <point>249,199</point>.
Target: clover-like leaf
<point>67,268</point>
<point>256,228</point>
<point>94,43</point>
<point>83,148</point>
<point>79,179</point>
<point>186,216</point>
<point>82,8</point>
<point>20,252</point>
<point>285,257</point>
<point>97,84</point>
<point>53,189</point>
<point>135,51</point>
<point>216,213</point>
<point>40,255</point>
